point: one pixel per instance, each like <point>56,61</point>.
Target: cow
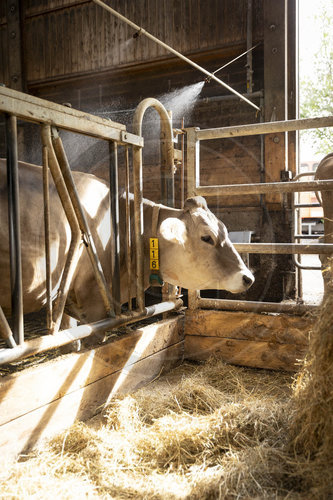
<point>195,250</point>
<point>325,172</point>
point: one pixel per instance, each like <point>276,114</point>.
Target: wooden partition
<point>271,341</point>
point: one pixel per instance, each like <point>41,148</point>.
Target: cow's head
<point>197,253</point>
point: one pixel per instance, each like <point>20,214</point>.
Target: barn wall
<point>74,51</point>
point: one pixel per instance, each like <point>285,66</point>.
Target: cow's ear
<point>195,202</point>
<point>174,230</point>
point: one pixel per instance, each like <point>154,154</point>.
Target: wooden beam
<point>280,328</point>
<point>275,90</point>
<point>268,355</point>
<point>16,80</point>
<point>275,342</point>
<point>46,399</point>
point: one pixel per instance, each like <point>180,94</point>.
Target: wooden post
<point>275,82</point>
<point>14,45</point>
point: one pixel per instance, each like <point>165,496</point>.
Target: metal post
<point>46,194</point>
<point>5,331</point>
<point>128,230</point>
<point>14,228</point>
<point>115,237</point>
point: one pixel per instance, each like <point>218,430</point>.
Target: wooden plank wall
<point>45,399</point>
<point>66,37</point>
<point>274,342</point>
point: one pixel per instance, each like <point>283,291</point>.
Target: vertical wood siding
<point>74,37</point>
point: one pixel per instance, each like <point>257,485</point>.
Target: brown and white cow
<point>325,172</point>
<point>195,250</point>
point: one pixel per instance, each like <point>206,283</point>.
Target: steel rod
<point>5,330</point>
<point>46,342</point>
<point>264,188</point>
<point>115,236</point>
<point>264,128</point>
<point>173,51</point>
<point>46,197</point>
<point>128,230</point>
<point>14,229</point>
<point>166,171</point>
<point>284,248</point>
<point>252,306</point>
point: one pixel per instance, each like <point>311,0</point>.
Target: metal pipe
<point>249,70</point>
<point>263,188</point>
<point>167,172</point>
<point>173,51</point>
<point>284,248</point>
<point>252,306</point>
<point>42,344</point>
<point>46,197</point>
<point>75,247</point>
<point>128,230</point>
<point>264,128</point>
<point>14,229</point>
<point>82,221</point>
<point>115,237</point>
<point>5,331</point>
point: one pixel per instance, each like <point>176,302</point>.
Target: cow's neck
<point>154,214</point>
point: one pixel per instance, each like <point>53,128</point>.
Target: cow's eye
<point>207,239</point>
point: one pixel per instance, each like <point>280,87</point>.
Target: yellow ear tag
<point>155,278</point>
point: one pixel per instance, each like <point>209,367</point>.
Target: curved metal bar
<point>167,174</point>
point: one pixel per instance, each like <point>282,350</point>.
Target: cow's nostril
<point>247,280</point>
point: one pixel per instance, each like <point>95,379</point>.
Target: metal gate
<point>194,136</point>
<point>52,117</point>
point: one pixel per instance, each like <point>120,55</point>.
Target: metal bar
<point>82,221</point>
<point>128,230</point>
<point>5,331</point>
<point>264,188</point>
<point>264,128</point>
<point>307,205</point>
<point>138,225</point>
<point>42,344</point>
<point>167,157</point>
<point>166,170</point>
<point>305,268</point>
<point>306,236</point>
<point>14,229</point>
<point>75,248</point>
<point>46,197</point>
<point>36,110</point>
<point>114,204</point>
<point>173,51</point>
<point>252,306</point>
<point>284,248</point>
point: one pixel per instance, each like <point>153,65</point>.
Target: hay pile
<point>312,427</point>
<point>201,432</point>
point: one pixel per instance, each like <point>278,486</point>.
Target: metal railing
<point>50,117</point>
<point>194,136</point>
